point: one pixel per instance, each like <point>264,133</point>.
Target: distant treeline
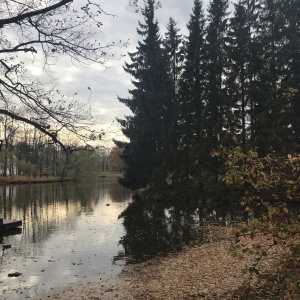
<point>27,151</point>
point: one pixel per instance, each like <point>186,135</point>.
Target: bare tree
<point>32,30</point>
<point>8,130</point>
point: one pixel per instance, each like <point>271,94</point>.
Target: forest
<point>216,118</point>
<point>233,81</point>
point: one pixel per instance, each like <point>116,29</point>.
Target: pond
<point>88,231</point>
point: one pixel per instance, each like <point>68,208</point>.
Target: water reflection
<point>154,228</point>
<point>69,234</point>
<point>87,231</point>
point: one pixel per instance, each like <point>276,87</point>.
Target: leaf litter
<point>208,271</point>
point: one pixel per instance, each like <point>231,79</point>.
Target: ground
<point>206,271</point>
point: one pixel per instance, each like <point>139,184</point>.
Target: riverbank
<point>21,179</point>
<point>110,174</point>
<point>205,271</point>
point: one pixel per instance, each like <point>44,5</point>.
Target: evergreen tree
<point>289,16</point>
<point>269,129</point>
<point>173,52</point>
<point>149,104</point>
<point>191,97</point>
<point>264,106</point>
<point>217,63</point>
<point>239,73</point>
<point>192,85</point>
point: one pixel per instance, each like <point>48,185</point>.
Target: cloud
<point>107,84</point>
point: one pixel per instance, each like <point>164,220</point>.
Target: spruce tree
<point>217,63</point>
<point>289,16</point>
<point>269,129</point>
<point>191,99</point>
<point>265,102</point>
<point>173,51</point>
<point>192,85</point>
<point>239,74</point>
<point>149,104</point>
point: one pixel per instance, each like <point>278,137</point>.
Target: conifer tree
<point>269,129</point>
<point>191,97</point>
<point>192,83</point>
<point>289,16</point>
<point>265,102</point>
<point>173,51</point>
<point>149,103</point>
<point>255,54</point>
<point>217,59</point>
<point>239,72</point>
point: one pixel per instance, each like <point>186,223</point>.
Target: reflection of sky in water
<point>72,232</point>
<point>69,234</point>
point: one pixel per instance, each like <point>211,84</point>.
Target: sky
<point>108,83</point>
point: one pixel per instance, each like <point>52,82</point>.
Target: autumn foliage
<point>271,187</point>
<point>115,164</point>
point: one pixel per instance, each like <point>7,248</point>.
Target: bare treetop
<point>42,31</point>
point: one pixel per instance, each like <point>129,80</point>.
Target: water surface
<point>70,233</point>
<point>88,231</point>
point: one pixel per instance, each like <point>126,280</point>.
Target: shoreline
<point>206,271</point>
<point>21,179</point>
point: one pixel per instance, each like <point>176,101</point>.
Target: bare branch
<point>21,17</point>
<point>50,29</point>
<point>52,135</point>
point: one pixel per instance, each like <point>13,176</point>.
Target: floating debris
<point>5,247</point>
<point>15,274</point>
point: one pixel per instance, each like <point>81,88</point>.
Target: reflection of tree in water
<point>154,228</point>
<point>86,193</point>
<point>116,192</point>
<point>45,207</point>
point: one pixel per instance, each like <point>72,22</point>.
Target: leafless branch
<point>48,29</point>
<point>30,14</point>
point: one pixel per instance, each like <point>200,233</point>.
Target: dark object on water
<point>15,274</point>
<point>107,204</point>
<point>7,224</point>
<point>13,231</point>
<point>4,247</point>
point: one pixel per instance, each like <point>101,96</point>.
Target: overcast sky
<point>106,84</point>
